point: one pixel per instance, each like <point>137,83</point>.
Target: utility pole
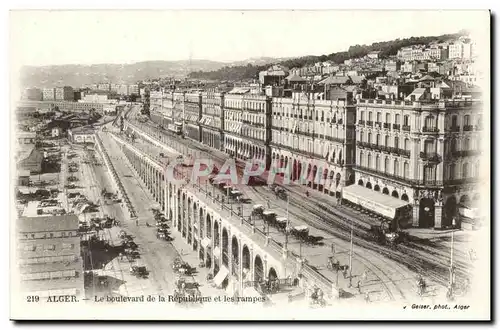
<point>350,258</point>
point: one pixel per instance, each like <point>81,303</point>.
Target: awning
<point>281,219</point>
<point>205,242</point>
<point>221,276</point>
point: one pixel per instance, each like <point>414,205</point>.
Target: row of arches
<point>310,174</point>
<point>195,224</point>
<point>384,190</point>
<point>243,149</point>
<point>211,139</point>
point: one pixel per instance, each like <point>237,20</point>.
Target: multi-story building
<point>104,87</point>
<point>49,94</point>
<point>192,116</point>
<point>123,89</point>
<point>212,120</point>
<point>32,94</point>
<point>247,126</point>
<point>49,256</point>
<point>314,139</point>
<point>133,89</point>
<point>114,88</point>
<point>425,154</point>
<point>65,93</point>
<point>463,48</point>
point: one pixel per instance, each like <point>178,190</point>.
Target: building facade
<point>32,94</point>
<point>65,93</point>
<point>314,140</point>
<point>49,256</point>
<point>212,120</point>
<point>423,153</point>
<point>49,94</point>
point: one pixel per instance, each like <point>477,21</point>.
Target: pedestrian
<point>359,286</point>
<point>367,297</point>
<point>268,204</point>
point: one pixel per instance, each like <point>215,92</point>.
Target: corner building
<point>424,153</point>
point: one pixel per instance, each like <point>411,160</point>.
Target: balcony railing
<point>406,128</point>
<point>426,129</point>
<point>404,153</point>
<point>465,153</point>
<point>399,178</point>
<point>361,122</point>
<point>396,126</point>
<point>431,157</point>
<point>387,125</point>
<point>468,128</point>
<point>378,123</point>
<point>334,139</point>
<point>369,123</point>
<point>454,129</point>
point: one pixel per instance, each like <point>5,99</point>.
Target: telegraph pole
<point>350,258</point>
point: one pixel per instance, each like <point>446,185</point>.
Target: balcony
<point>406,128</point>
<point>369,123</point>
<point>379,124</point>
<point>455,129</point>
<point>340,122</point>
<point>398,178</point>
<point>361,122</point>
<point>426,129</point>
<point>404,153</point>
<point>374,146</point>
<point>334,139</point>
<point>468,128</point>
<point>430,157</point>
<point>396,126</point>
<point>387,125</point>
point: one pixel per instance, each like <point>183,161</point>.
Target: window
<point>369,165</point>
<point>369,137</point>
<point>465,170</point>
<point>466,120</point>
<point>370,116</point>
<point>378,139</point>
<point>451,171</point>
<point>396,119</point>
<point>377,163</point>
<point>396,142</point>
<point>429,121</point>
<point>396,168</point>
<point>407,144</point>
<point>388,118</point>
<point>406,170</point>
<point>51,235</point>
<point>361,159</point>
<point>429,146</point>
<point>32,235</point>
<point>406,120</point>
<point>50,247</point>
<point>467,144</point>
<point>454,121</point>
<point>362,115</point>
<point>453,145</point>
<point>386,165</point>
<point>29,248</point>
<point>379,117</point>
<point>387,140</point>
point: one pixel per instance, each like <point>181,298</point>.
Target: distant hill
<point>386,48</point>
<point>77,75</point>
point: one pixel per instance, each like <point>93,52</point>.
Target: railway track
<point>423,259</point>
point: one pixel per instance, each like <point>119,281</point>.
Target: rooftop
<point>47,223</point>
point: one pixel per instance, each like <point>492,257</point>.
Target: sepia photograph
<point>250,165</point>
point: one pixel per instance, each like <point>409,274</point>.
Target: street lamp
<point>451,252</point>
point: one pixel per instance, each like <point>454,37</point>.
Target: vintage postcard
<point>250,165</point>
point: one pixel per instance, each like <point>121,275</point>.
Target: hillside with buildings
<point>385,50</point>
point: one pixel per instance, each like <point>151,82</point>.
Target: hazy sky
<point>86,37</point>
